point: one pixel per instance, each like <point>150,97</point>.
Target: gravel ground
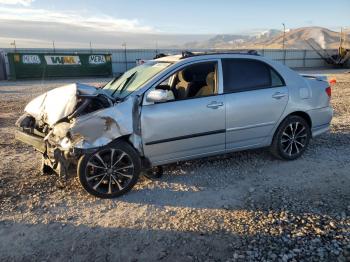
<point>244,206</point>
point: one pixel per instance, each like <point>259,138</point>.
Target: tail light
<point>332,81</point>
<point>329,91</point>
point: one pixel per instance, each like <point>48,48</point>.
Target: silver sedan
<point>171,109</point>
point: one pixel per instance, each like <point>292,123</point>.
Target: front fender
<point>104,126</point>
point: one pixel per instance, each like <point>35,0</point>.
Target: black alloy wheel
<point>291,138</point>
<point>111,171</point>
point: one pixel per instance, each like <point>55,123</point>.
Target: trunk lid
<point>316,77</point>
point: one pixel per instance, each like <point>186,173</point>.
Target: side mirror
<point>157,96</point>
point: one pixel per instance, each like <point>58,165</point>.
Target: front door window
<point>194,81</point>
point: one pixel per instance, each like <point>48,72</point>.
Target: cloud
<point>32,27</point>
<point>38,34</point>
<point>99,23</point>
<point>17,2</point>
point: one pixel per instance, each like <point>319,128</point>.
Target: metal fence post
<point>125,57</point>
<point>3,75</point>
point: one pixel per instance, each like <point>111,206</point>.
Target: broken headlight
<point>65,143</point>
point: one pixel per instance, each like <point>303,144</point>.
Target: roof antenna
<point>253,52</point>
<point>187,54</point>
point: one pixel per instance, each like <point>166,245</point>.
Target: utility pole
<point>14,44</point>
<point>53,46</point>
<point>284,35</point>
<point>90,47</point>
<point>346,36</point>
<point>125,57</point>
<point>156,47</point>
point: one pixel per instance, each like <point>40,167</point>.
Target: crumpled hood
<point>58,103</point>
<point>89,130</point>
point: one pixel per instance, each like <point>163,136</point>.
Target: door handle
<point>278,95</point>
<point>215,105</point>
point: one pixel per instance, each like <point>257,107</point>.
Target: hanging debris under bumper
<point>30,139</point>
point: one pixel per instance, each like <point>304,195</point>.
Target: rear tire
<point>291,138</point>
<point>111,171</point>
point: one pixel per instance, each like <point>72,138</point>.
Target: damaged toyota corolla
<point>171,109</point>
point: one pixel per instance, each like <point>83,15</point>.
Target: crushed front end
<point>73,120</point>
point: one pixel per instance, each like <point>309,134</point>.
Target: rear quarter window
<point>248,74</point>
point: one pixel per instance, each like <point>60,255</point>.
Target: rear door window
<point>248,74</point>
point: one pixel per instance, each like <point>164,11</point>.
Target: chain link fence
<point>123,59</point>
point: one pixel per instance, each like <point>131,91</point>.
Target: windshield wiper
<point>116,89</point>
<point>124,85</point>
<point>113,81</point>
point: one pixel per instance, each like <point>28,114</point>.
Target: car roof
<point>170,58</point>
<point>188,55</point>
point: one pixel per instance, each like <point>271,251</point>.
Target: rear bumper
<point>316,131</point>
<point>30,139</point>
<point>321,120</point>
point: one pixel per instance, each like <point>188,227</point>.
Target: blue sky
<point>86,19</point>
<point>204,16</point>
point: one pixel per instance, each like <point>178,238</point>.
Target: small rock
<point>341,258</point>
<point>318,203</point>
<point>273,256</point>
<point>336,252</point>
<point>226,207</point>
<point>346,252</point>
<point>161,255</point>
<point>285,258</point>
<point>251,189</point>
<point>332,225</point>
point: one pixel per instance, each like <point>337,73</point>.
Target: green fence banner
<point>54,65</point>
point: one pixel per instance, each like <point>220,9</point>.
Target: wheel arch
<point>129,139</point>
<point>301,114</point>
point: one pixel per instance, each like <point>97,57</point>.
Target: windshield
<point>133,79</point>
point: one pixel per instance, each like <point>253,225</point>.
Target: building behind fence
<point>125,59</point>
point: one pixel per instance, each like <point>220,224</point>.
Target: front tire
<point>291,139</point>
<point>110,171</point>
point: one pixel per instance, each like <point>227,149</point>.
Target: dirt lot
<point>243,206</point>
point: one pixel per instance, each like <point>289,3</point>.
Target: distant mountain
<point>268,34</point>
<point>296,38</point>
<point>273,39</point>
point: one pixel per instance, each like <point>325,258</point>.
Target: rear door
<point>255,97</point>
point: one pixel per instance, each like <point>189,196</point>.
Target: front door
<point>186,127</point>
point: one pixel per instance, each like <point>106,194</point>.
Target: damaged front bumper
<point>54,158</point>
<point>30,139</point>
